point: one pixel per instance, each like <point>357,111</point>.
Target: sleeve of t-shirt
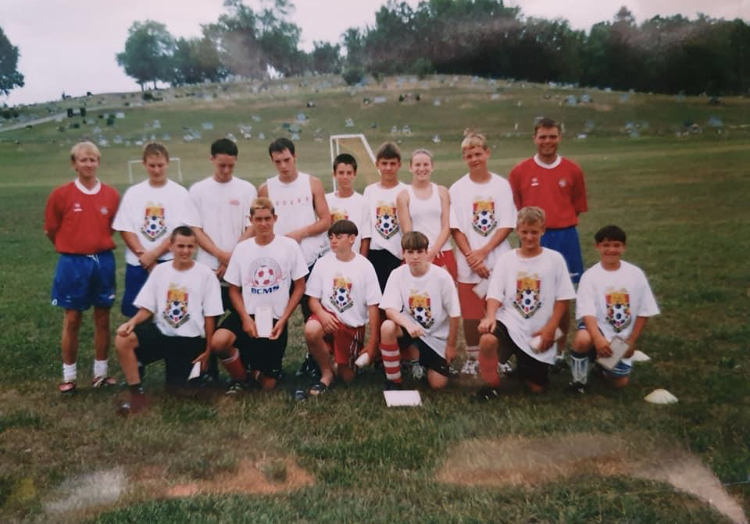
<point>647,306</point>
<point>507,215</point>
<point>580,203</point>
<point>450,298</point>
<point>233,274</point>
<point>314,286</point>
<point>146,297</point>
<point>496,287</point>
<point>515,186</point>
<point>189,213</point>
<point>196,220</point>
<point>565,289</point>
<point>585,298</point>
<point>53,213</point>
<point>452,217</point>
<point>392,294</point>
<point>372,288</point>
<point>124,217</point>
<point>212,305</point>
<point>299,268</point>
<point>366,228</point>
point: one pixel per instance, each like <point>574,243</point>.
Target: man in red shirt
<point>556,185</point>
<point>78,221</point>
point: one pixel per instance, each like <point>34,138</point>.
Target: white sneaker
<point>417,371</point>
<point>504,368</point>
<point>470,367</point>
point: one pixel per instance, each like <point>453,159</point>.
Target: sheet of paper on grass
<point>618,347</point>
<point>402,398</point>
<point>196,371</point>
<point>263,321</point>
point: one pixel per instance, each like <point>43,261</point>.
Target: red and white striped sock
<point>391,362</point>
<point>235,367</point>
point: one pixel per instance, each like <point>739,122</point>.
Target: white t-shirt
<point>345,288</point>
<point>426,214</point>
<point>265,273</point>
<point>528,288</point>
<point>385,230</point>
<point>430,300</point>
<point>180,300</point>
<point>152,213</point>
<point>616,298</point>
<point>223,212</point>
<point>351,208</point>
<point>478,211</point>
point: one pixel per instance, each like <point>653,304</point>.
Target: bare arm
<point>488,323</point>
<point>601,344</point>
<point>127,328</point>
<point>445,227</point>
<point>463,245</point>
<point>209,325</point>
<point>297,292</point>
<point>547,333</point>
<point>364,247</point>
<point>450,347</point>
<point>640,325</point>
<point>479,255</point>
<point>411,327</point>
<point>329,321</point>
<point>248,324</point>
<point>402,210</point>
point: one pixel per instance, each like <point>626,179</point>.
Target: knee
<point>436,380</point>
<point>313,330</point>
<point>72,321</point>
<point>345,373</point>
<point>619,382</point>
<point>582,342</point>
<point>126,344</point>
<point>487,343</point>
<point>388,330</point>
<point>221,341</point>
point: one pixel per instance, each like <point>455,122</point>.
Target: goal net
<point>357,146</point>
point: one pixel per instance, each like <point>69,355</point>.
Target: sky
<point>70,45</point>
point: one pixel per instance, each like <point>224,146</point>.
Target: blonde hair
<point>84,147</point>
<point>531,215</point>
<point>473,138</point>
<point>262,203</point>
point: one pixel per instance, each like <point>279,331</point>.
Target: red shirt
<point>559,190</point>
<point>80,223</point>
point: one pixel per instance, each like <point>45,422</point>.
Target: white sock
<point>579,367</point>
<point>472,352</point>
<point>69,372</point>
<point>101,368</point>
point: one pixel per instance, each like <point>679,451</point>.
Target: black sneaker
<point>393,386</point>
<point>487,394</point>
<point>576,388</point>
<point>309,368</point>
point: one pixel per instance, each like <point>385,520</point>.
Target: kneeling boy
<point>528,294</point>
<point>183,297</point>
<point>421,304</point>
<point>614,300</point>
<point>344,296</point>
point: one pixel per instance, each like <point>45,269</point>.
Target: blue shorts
<point>82,281</point>
<point>565,241</point>
<point>135,277</point>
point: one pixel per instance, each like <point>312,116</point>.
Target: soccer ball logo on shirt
<point>176,310</point>
<point>154,222</point>
<point>483,216</point>
<point>420,310</point>
<point>618,309</point>
<point>265,274</point>
<point>341,293</point>
<point>386,221</point>
<point>527,301</point>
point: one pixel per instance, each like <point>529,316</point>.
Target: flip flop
<point>102,382</point>
<point>317,389</point>
<point>67,387</point>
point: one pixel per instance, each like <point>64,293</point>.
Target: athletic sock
<point>101,368</point>
<point>472,352</point>
<point>579,367</point>
<point>69,372</point>
<point>235,367</point>
<point>488,369</point>
<point>391,362</point>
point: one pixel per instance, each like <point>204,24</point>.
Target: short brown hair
<point>473,138</point>
<point>388,150</point>
<point>546,123</point>
<point>155,148</point>
<point>414,241</point>
<point>262,203</point>
<point>531,215</point>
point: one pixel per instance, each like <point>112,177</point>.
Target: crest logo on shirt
<point>265,275</point>
<point>618,309</point>
<point>176,310</point>
<point>527,301</point>
<point>386,221</point>
<point>341,293</point>
<point>420,310</point>
<point>154,222</point>
<point>338,214</point>
<point>104,210</point>
<point>483,216</point>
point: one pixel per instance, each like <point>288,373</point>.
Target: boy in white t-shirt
<point>344,297</point>
<point>149,211</point>
<point>528,295</point>
<point>183,298</point>
<point>345,203</point>
<point>266,275</point>
<point>421,303</point>
<point>614,300</point>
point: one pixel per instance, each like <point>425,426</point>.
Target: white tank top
<point>295,208</point>
<point>425,215</point>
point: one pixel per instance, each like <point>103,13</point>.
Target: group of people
<point>217,271</point>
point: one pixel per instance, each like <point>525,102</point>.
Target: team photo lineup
<point>385,279</point>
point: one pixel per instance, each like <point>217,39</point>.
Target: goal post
<point>357,146</point>
<point>174,160</point>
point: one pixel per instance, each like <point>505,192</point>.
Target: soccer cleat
<point>417,371</point>
<point>236,388</point>
<point>505,369</point>
<point>470,367</point>
<point>576,388</point>
<point>139,403</point>
<point>487,394</point>
<point>309,368</point>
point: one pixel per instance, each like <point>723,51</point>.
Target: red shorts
<point>345,343</point>
<point>447,260</point>
<point>472,307</point>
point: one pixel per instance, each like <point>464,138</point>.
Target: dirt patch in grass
<point>517,461</point>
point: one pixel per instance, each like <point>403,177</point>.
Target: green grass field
<point>608,457</point>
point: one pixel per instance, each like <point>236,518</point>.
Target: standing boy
<point>149,212</point>
<point>78,220</point>
<point>527,297</point>
<point>183,298</point>
<point>345,203</point>
<point>483,215</point>
<point>423,311</point>
<point>344,296</point>
<point>266,276</point>
<point>614,300</point>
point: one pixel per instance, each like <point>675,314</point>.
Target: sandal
<point>102,382</point>
<point>317,389</point>
<point>67,387</point>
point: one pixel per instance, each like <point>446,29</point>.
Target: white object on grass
<point>408,397</point>
<point>660,396</point>
<point>196,371</point>
<point>640,356</point>
<point>363,360</point>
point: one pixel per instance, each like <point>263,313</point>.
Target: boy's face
<point>416,259</point>
<point>344,175</point>
<point>341,243</point>
<point>476,158</point>
<point>183,248</point>
<point>388,167</point>
<point>263,221</point>
<point>530,235</point>
<point>610,251</point>
<point>223,166</point>
<point>285,163</point>
<point>546,140</point>
<point>156,167</point>
<point>421,166</point>
<point>85,164</point>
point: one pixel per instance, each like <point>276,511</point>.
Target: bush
<point>83,111</point>
<point>70,112</point>
<point>353,76</point>
<point>422,67</point>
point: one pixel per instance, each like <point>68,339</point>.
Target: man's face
<point>610,251</point>
<point>183,248</point>
<point>223,166</point>
<point>547,139</point>
<point>530,235</point>
<point>416,259</point>
<point>344,175</point>
<point>341,243</point>
<point>476,158</point>
<point>156,167</point>
<point>263,221</point>
<point>388,167</point>
<point>285,163</point>
<point>85,164</point>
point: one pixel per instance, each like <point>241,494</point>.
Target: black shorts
<point>178,353</point>
<point>262,354</point>
<point>428,357</point>
<point>528,367</point>
<point>384,263</point>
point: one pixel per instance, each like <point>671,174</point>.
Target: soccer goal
<point>357,146</point>
<point>173,161</point>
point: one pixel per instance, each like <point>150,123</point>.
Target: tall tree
<point>10,77</point>
<point>148,53</point>
<point>325,58</point>
<point>196,60</point>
